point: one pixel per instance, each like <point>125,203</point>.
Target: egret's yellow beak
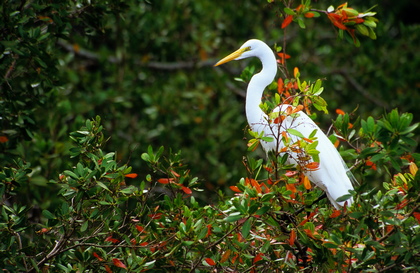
<point>232,56</point>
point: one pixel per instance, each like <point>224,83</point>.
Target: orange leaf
<point>295,72</point>
<point>165,180</point>
<point>306,183</point>
<point>280,86</point>
<point>335,213</point>
<point>140,228</point>
<point>186,190</point>
<point>210,261</point>
<point>339,111</point>
<point>258,258</point>
<point>297,108</point>
<point>279,119</point>
<point>133,241</point>
<point>371,164</point>
<point>291,187</point>
<point>144,244</point>
<point>97,256</point>
<point>119,264</point>
<point>309,14</point>
<point>336,20</point>
<point>287,21</point>
<point>235,189</point>
<point>309,233</point>
<point>311,215</point>
<point>175,173</point>
<point>308,140</point>
<point>283,57</point>
<point>292,237</point>
<point>225,256</point>
<point>359,20</point>
<point>131,175</point>
<point>312,166</point>
<point>256,185</point>
<point>108,270</point>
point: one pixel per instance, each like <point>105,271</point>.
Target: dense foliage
<point>134,76</point>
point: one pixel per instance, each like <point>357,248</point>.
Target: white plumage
<point>331,176</point>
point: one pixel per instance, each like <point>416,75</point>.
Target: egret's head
<point>248,49</point>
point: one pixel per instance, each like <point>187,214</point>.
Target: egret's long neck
<point>256,87</point>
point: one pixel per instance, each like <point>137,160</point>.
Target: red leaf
<point>210,261</point>
<point>97,256</point>
<point>112,240</point>
<point>119,264</point>
<point>287,21</point>
<point>403,203</point>
<point>144,244</point>
<point>3,139</point>
<point>155,215</point>
<point>208,230</point>
<point>131,175</point>
<point>417,216</point>
<point>186,190</point>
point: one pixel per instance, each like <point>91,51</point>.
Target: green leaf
<point>84,226</point>
<point>262,210</point>
<point>330,245</point>
<point>235,216</point>
<point>289,11</point>
<point>102,185</point>
<point>295,132</point>
<point>47,214</point>
<point>362,29</point>
<point>246,227</point>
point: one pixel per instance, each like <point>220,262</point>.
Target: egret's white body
<point>331,175</point>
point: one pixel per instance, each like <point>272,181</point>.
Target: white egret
<point>331,174</point>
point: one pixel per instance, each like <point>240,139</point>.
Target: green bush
<point>135,77</point>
